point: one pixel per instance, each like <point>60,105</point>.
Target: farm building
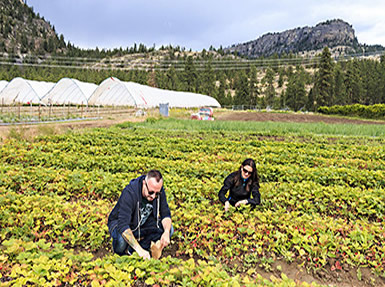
<point>20,90</point>
<point>114,92</point>
<point>69,91</point>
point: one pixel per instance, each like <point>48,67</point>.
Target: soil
<point>347,277</point>
<point>31,130</point>
<point>290,117</point>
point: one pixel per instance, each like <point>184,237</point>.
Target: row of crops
<point>323,206</point>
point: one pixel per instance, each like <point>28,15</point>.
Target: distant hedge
<point>371,112</point>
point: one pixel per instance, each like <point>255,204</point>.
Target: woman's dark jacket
<point>239,192</point>
<point>126,213</point>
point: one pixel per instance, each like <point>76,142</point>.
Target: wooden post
<point>18,110</point>
<point>68,111</point>
<point>81,113</point>
<point>39,112</point>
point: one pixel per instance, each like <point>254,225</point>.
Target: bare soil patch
<point>341,278</point>
<point>31,130</point>
<point>289,117</point>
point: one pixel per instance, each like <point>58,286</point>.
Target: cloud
<point>201,23</point>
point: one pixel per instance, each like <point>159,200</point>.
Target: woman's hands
<point>239,203</point>
<point>227,206</point>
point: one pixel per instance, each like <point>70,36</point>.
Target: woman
<point>242,184</point>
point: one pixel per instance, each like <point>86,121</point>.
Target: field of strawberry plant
<point>323,207</point>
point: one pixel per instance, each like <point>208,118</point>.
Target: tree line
<point>294,87</point>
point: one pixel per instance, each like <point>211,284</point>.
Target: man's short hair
<point>154,173</point>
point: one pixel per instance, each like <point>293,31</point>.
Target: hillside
<point>22,31</point>
<point>338,35</point>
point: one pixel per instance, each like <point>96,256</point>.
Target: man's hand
<point>227,206</point>
<point>239,203</point>
<point>129,237</point>
<point>165,239</point>
<point>143,253</point>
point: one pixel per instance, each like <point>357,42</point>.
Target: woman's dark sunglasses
<point>246,171</point>
<point>151,192</point>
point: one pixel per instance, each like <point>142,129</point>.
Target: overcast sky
<point>197,24</point>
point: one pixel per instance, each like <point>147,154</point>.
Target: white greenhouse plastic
<point>3,84</point>
<point>69,91</point>
<point>113,92</point>
<point>20,90</point>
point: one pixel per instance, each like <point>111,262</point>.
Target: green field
<point>322,211</point>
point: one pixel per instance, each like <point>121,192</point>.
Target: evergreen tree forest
<point>294,87</point>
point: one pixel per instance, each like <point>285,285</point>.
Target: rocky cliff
<point>332,33</point>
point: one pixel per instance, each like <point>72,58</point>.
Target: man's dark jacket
<point>126,213</point>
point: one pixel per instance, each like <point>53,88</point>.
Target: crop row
<point>36,217</point>
<point>44,263</point>
<point>76,155</point>
<point>322,205</point>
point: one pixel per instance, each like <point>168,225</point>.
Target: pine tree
<point>269,87</point>
<point>208,80</point>
<point>190,75</point>
<point>339,89</point>
<point>324,81</point>
<point>353,83</point>
<point>295,96</point>
<point>241,89</point>
<point>253,84</point>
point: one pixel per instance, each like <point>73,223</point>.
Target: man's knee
<point>119,245</point>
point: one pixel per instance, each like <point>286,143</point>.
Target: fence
<point>41,113</point>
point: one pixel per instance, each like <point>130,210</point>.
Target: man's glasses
<point>246,171</point>
<point>151,192</point>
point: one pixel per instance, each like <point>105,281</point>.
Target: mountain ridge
<point>24,32</point>
<point>337,34</point>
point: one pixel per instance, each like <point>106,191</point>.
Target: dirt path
<point>31,130</point>
<point>290,117</point>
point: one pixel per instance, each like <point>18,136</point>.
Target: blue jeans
<point>121,247</point>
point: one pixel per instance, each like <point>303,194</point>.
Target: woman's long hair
<point>253,179</point>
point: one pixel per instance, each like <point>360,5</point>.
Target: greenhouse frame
<point>69,91</point>
<point>24,91</point>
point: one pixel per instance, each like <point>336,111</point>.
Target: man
<point>140,216</point>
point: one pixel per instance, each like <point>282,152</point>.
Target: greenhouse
<point>3,84</point>
<point>69,91</point>
<point>113,92</point>
<point>24,91</point>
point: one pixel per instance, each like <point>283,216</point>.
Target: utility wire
<point>163,65</point>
